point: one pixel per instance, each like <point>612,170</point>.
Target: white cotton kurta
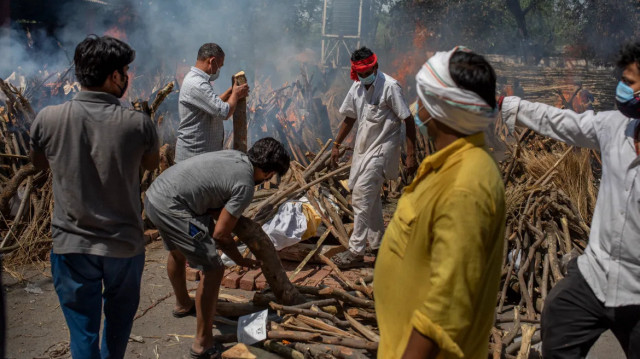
<point>611,262</point>
<point>379,112</point>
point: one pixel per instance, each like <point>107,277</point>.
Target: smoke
<point>257,36</point>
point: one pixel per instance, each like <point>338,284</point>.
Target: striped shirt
<point>201,114</point>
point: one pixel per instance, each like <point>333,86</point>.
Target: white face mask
<point>214,76</point>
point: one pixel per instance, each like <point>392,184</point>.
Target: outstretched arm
<point>563,125</point>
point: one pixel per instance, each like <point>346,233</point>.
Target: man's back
<point>201,114</point>
<point>94,148</point>
<point>209,181</point>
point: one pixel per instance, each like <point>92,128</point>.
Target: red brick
<point>301,275</point>
<point>248,280</point>
<point>231,280</point>
<point>317,277</point>
<point>192,274</point>
<point>332,282</point>
<point>261,282</point>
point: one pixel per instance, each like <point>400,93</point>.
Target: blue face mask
<point>422,126</point>
<point>627,101</point>
<point>367,80</point>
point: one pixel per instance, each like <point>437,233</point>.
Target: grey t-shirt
<point>95,148</point>
<point>210,181</point>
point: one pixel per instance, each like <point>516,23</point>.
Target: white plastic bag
<point>287,226</point>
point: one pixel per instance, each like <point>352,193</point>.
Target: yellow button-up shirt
<point>438,268</point>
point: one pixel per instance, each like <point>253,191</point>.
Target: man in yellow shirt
<point>438,270</point>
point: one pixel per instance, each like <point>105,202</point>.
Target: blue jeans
<point>78,280</point>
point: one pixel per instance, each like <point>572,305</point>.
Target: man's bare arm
<point>222,235</point>
<point>344,130</point>
<point>39,159</point>
<point>420,347</point>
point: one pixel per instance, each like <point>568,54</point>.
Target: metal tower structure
<point>342,29</point>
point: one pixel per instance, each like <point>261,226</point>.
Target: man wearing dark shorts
<point>181,201</point>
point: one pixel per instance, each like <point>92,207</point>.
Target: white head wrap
<point>463,110</point>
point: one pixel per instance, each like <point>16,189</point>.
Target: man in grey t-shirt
<point>181,201</point>
<point>201,110</point>
<point>95,148</point>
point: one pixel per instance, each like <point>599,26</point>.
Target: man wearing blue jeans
<point>95,148</point>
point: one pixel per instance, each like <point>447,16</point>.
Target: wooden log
<point>346,297</point>
<point>310,254</point>
<point>318,303</point>
<point>316,323</point>
<point>299,251</point>
<point>309,313</point>
<point>11,187</point>
<point>282,350</point>
<point>240,117</point>
<point>350,342</point>
<point>368,333</point>
<point>366,290</point>
<point>21,210</point>
<point>362,314</point>
<point>497,340</point>
<point>294,336</point>
<point>251,234</point>
<point>322,350</point>
<point>160,96</point>
<point>527,335</point>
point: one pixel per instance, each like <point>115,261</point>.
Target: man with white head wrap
<point>438,269</point>
<point>376,102</point>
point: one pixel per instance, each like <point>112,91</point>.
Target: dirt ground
<point>36,326</point>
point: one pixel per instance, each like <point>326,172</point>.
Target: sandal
<point>214,352</point>
<point>346,260</point>
<point>190,312</point>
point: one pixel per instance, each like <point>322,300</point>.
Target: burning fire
<point>405,65</point>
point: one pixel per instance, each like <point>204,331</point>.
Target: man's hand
<point>335,156</point>
<point>240,91</point>
<point>249,263</point>
<point>411,164</point>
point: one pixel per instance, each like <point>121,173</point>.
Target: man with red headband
<point>376,102</point>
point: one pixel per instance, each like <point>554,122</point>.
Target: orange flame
<point>406,64</point>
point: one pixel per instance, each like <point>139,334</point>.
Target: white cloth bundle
<point>463,110</point>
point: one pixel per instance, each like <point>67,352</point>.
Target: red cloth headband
<point>363,65</point>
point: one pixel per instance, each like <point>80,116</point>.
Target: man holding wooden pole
<point>376,102</point>
<point>202,111</point>
<point>438,270</point>
<point>181,203</point>
<point>602,288</point>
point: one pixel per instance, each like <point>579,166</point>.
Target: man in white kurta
<point>376,103</point>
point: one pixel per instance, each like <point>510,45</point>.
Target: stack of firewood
<point>550,197</point>
<point>331,322</point>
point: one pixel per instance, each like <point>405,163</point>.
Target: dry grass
<point>573,176</point>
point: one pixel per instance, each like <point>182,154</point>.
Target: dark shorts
<point>191,236</point>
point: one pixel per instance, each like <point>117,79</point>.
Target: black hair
<point>97,57</point>
<point>472,72</point>
<point>208,50</point>
<point>361,54</point>
<point>629,53</point>
<point>269,155</point>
